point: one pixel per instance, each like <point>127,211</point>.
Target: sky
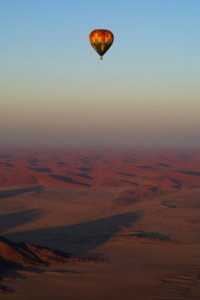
<point>54,90</point>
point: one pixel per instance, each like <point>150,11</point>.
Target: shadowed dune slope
<point>91,234</point>
<point>9,221</point>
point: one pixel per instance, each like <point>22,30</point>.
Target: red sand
<point>137,209</point>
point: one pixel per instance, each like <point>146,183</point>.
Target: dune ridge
<point>22,256</point>
<point>135,211</point>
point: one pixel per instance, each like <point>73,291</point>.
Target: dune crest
<point>22,256</point>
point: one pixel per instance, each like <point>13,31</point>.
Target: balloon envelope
<point>101,40</point>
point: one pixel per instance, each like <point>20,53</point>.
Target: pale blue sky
<point>55,90</point>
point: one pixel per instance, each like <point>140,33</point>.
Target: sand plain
<point>135,213</point>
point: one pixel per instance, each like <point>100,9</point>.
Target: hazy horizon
<point>56,92</point>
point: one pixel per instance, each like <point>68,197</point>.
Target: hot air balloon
<point>101,40</point>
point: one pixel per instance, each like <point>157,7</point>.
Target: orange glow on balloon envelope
<point>101,40</point>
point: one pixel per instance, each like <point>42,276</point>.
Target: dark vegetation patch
<point>68,180</point>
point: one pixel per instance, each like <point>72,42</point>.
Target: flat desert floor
<point>135,213</point>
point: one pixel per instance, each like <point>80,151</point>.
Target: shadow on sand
<point>19,191</point>
<point>69,180</point>
<point>9,221</point>
<point>78,239</point>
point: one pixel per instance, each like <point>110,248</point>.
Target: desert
<point>103,224</point>
<point>99,150</point>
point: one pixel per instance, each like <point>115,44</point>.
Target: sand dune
<point>25,256</point>
<point>135,212</point>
